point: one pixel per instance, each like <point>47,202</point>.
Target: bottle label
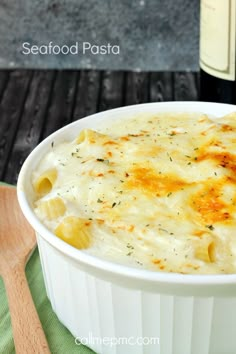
<point>218,38</point>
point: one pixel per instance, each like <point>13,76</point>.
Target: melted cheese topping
<point>157,192</point>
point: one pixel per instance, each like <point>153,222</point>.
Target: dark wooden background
<point>33,104</point>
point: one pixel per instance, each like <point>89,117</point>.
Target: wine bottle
<point>218,51</point>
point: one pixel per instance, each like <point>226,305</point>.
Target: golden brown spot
<point>226,128</point>
<point>131,228</point>
<point>223,159</point>
<point>208,204</point>
<point>149,181</point>
<point>156,261</point>
<point>110,142</point>
<point>124,138</point>
<point>189,265</point>
<point>100,221</point>
<point>199,233</point>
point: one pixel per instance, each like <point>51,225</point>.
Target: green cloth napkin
<point>59,338</point>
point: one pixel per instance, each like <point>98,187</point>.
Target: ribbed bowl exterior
<point>115,319</point>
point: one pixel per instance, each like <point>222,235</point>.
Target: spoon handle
<point>27,329</point>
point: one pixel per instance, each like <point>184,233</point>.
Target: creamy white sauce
<point>155,189</point>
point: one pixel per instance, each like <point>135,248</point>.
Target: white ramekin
<point>115,309</point>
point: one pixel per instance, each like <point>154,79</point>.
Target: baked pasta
<point>152,191</point>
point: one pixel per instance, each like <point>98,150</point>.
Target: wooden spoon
<point>17,240</point>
